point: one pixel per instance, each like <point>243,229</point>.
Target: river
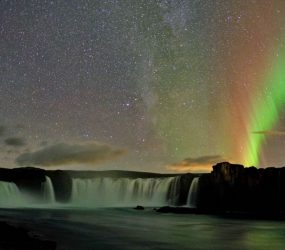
<point>126,228</point>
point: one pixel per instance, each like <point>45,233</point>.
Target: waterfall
<point>97,192</point>
<point>48,191</point>
<point>192,195</point>
<point>9,194</point>
<point>174,191</point>
<point>100,192</point>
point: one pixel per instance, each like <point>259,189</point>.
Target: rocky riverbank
<point>19,238</point>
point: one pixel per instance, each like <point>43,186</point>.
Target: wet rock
<point>139,207</point>
<point>233,188</point>
<point>62,184</point>
<point>28,179</point>
<point>18,238</point>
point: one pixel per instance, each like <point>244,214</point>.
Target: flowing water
<point>193,192</point>
<point>125,228</point>
<point>82,223</point>
<point>109,192</point>
<point>97,192</point>
<point>9,194</point>
<point>48,191</point>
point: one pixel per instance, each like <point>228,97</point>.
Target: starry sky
<point>150,85</point>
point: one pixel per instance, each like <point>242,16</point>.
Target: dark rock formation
<point>19,239</point>
<point>178,190</point>
<point>139,207</point>
<point>232,187</point>
<point>27,179</point>
<point>62,184</point>
<point>30,180</point>
<point>185,182</point>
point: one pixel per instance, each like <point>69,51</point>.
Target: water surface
<point>125,228</point>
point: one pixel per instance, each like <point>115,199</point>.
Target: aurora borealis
<point>165,82</point>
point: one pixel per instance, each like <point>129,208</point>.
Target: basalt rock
<point>231,187</point>
<point>27,179</point>
<point>139,207</point>
<point>18,238</point>
<point>178,190</point>
<point>62,184</point>
<point>30,180</point>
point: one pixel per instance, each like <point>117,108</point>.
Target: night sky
<point>173,85</point>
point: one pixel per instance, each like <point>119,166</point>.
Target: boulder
<point>139,207</point>
<point>18,238</point>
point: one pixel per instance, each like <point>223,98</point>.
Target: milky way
<point>163,81</point>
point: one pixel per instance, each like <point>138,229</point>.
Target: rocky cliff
<point>232,188</point>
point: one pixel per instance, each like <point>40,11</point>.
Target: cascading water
<point>9,194</point>
<point>192,195</point>
<point>174,191</point>
<point>97,192</point>
<point>104,192</point>
<point>48,191</point>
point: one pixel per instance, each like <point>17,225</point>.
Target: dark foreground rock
<point>177,210</point>
<point>14,238</point>
<point>139,208</point>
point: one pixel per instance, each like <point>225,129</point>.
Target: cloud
<point>270,132</point>
<point>62,154</point>
<point>15,141</point>
<point>196,165</point>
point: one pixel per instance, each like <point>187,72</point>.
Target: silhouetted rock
<point>207,194</point>
<point>27,179</point>
<point>139,207</point>
<point>62,184</point>
<point>227,173</point>
<point>178,190</point>
<point>232,188</point>
<point>14,238</point>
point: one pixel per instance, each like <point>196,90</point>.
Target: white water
<point>98,192</point>
<point>9,194</point>
<point>109,192</point>
<point>192,195</point>
<point>174,190</point>
<point>48,191</point>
